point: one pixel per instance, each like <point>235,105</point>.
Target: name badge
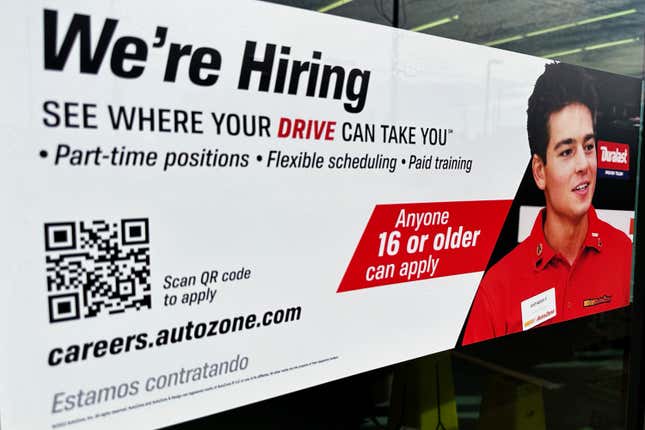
<point>538,309</point>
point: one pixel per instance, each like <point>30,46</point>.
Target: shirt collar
<point>541,250</point>
<point>593,239</point>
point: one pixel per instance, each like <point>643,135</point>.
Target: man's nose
<point>581,160</point>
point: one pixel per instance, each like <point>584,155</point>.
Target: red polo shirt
<point>597,281</point>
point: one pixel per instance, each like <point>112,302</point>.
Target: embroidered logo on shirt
<point>596,301</point>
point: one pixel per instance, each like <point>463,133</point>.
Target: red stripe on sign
<point>415,241</point>
<point>613,156</point>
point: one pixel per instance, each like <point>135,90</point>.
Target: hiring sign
<point>208,207</point>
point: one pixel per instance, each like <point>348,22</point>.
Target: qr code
<point>97,268</point>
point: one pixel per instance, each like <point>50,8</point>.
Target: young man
<point>572,264</point>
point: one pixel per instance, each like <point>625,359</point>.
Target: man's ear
<point>537,166</point>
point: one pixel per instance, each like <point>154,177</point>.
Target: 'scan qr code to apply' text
<point>97,268</point>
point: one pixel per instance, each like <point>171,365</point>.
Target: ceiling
<point>601,34</point>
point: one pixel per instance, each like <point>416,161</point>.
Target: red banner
<point>613,156</point>
<point>415,241</point>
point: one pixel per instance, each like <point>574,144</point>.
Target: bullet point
<point>403,161</point>
<point>259,158</point>
<point>43,153</point>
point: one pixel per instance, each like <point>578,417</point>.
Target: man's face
<point>568,178</point>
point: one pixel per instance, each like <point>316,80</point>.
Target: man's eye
<point>590,146</point>
<point>566,153</point>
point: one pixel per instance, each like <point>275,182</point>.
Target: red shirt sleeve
<point>480,325</point>
<point>626,247</point>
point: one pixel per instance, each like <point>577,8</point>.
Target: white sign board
<point>196,200</point>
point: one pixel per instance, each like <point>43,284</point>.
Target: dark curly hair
<point>559,86</point>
